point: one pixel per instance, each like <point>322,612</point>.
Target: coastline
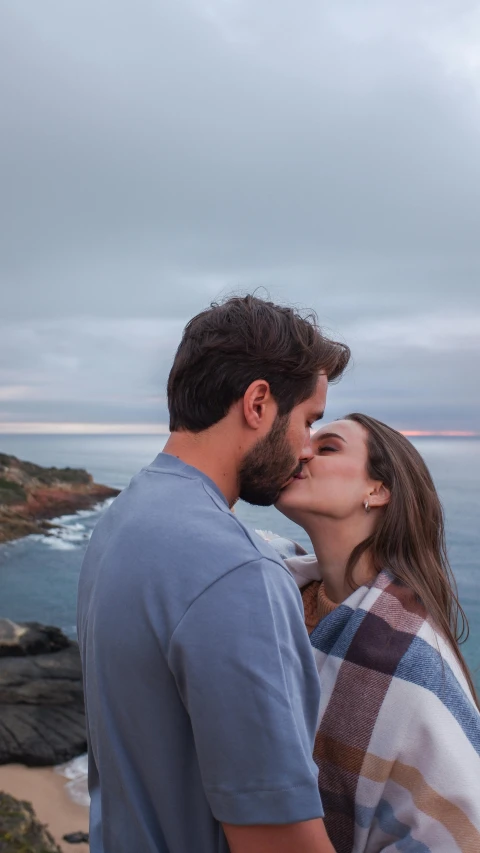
<point>31,494</point>
<point>20,521</point>
<point>45,789</point>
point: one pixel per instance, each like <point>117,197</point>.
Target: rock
<point>42,717</point>
<point>30,494</point>
<point>76,838</point>
<point>31,638</point>
<point>20,831</point>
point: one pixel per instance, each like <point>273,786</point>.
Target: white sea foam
<point>73,532</point>
<point>83,513</point>
<point>70,532</point>
<point>76,771</point>
<point>64,519</point>
<point>58,544</point>
<point>101,506</point>
<point>65,537</point>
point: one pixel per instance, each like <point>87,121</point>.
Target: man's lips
<point>297,475</point>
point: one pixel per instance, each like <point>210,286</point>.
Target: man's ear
<point>258,404</point>
<point>379,496</point>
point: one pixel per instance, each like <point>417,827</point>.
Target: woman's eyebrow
<point>331,435</point>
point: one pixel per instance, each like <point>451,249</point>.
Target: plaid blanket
<point>398,740</point>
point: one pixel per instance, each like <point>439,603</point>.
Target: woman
<point>398,743</point>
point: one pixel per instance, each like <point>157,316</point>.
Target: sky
<point>156,156</point>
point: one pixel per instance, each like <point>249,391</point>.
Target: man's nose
<point>307,450</point>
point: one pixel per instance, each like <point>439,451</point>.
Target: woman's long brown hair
<point>409,539</point>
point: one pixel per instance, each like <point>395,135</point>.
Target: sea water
<point>39,574</point>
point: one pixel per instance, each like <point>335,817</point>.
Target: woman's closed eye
<point>327,447</point>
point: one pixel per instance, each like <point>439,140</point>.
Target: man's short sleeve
<point>245,670</point>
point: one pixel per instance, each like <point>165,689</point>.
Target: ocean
<point>39,574</point>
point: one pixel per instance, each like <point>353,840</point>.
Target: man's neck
<point>209,452</point>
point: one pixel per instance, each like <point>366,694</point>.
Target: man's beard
<point>268,466</point>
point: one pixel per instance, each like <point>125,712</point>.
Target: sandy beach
<point>45,789</point>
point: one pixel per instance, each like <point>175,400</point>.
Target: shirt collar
<point>169,464</point>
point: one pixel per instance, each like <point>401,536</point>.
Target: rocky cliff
<point>20,830</point>
<point>30,494</point>
<point>42,717</point>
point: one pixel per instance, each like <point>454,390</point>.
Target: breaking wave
<point>76,771</point>
<point>74,530</point>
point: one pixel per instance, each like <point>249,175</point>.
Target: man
<point>200,685</point>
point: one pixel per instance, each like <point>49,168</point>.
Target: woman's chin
<point>288,499</point>
<point>290,511</point>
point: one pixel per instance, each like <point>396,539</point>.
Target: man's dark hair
<point>230,345</point>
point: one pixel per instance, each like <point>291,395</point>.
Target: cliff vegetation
<point>30,495</point>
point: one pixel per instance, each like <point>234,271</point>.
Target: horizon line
<point>67,428</point>
<point>451,433</point>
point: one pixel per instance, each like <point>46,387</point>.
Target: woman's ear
<point>379,496</point>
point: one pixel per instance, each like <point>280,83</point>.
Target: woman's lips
<point>298,476</point>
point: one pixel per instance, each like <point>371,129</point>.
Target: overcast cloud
<point>156,155</point>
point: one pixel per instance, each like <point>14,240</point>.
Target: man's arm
<point>309,836</point>
<point>246,673</point>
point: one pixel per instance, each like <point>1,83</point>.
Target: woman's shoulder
<point>433,664</point>
<point>303,566</point>
<point>425,658</point>
<point>304,569</point>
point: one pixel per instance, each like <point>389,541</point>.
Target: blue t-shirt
<point>201,689</point>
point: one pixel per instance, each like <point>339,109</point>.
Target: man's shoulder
<point>181,520</point>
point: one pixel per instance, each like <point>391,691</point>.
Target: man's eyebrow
<point>331,435</point>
